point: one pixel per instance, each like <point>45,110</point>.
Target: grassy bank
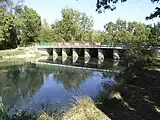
<point>4,53</point>
<point>23,52</point>
<point>83,109</point>
<point>9,63</point>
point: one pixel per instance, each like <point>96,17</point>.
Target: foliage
<point>138,55</point>
<point>32,22</point>
<point>19,25</point>
<point>110,4</point>
<point>154,36</point>
<point>74,26</point>
<point>126,32</point>
<point>46,33</point>
<point>100,37</point>
<point>5,28</point>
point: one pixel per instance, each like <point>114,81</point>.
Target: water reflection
<point>19,82</point>
<point>28,86</point>
<point>81,62</point>
<point>71,78</point>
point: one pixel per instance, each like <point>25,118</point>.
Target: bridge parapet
<point>61,44</point>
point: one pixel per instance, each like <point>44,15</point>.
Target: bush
<point>140,54</point>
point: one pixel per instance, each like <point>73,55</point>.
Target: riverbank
<point>83,109</point>
<point>11,62</point>
<point>137,97</point>
<point>21,52</point>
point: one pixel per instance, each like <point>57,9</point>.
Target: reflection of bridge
<point>57,66</point>
<point>85,50</point>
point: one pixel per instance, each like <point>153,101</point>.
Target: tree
<point>46,33</point>
<point>123,31</point>
<point>140,31</point>
<point>74,26</point>
<point>110,4</point>
<point>6,22</point>
<point>19,24</point>
<point>155,32</point>
<point>32,22</point>
<point>100,36</point>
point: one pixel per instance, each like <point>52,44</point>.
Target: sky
<point>132,10</point>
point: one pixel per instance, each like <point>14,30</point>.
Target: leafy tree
<point>32,22</point>
<point>100,37</point>
<point>141,31</point>
<point>19,24</point>
<point>155,32</point>
<point>6,22</point>
<point>110,4</point>
<point>74,26</point>
<point>123,32</point>
<point>46,33</point>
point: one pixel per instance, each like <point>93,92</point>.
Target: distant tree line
<point>22,26</point>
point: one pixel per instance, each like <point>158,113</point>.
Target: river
<point>39,86</point>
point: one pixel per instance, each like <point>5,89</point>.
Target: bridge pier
<point>100,56</point>
<point>78,56</point>
<point>105,53</point>
<point>116,55</point>
<point>56,53</point>
<point>90,54</point>
<point>66,52</point>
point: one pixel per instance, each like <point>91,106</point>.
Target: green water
<point>34,87</point>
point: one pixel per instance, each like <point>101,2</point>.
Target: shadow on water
<point>135,97</point>
<point>31,87</point>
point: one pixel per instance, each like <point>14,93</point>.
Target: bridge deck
<point>107,47</point>
<point>94,46</point>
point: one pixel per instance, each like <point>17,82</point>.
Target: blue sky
<point>132,10</point>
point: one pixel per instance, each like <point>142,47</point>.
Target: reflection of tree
<point>109,74</point>
<point>107,86</point>
<point>71,78</point>
<point>19,82</point>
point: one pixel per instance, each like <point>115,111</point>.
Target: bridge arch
<point>75,56</point>
<point>87,56</point>
<point>116,55</point>
<point>100,56</point>
<point>55,55</point>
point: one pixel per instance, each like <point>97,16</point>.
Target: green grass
<point>19,51</point>
<point>6,63</point>
<point>4,53</point>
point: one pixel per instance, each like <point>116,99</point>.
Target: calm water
<point>35,87</point>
